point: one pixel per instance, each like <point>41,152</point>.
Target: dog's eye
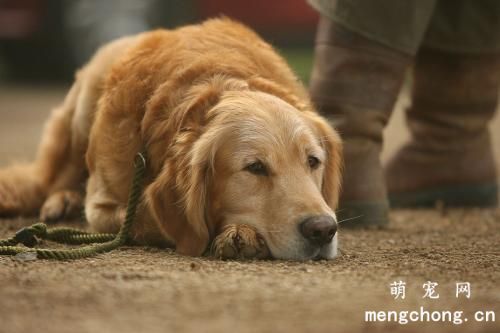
<point>257,168</point>
<point>314,162</point>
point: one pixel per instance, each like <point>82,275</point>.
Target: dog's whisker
<point>349,219</point>
<point>274,231</point>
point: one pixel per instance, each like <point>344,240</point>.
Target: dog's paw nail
<point>248,252</point>
<point>228,251</point>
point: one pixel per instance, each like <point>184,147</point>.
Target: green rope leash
<point>99,243</point>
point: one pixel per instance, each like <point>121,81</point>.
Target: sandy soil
<point>153,290</point>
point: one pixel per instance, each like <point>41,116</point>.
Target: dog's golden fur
<point>193,98</point>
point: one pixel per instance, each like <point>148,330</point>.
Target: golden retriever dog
<point>238,161</point>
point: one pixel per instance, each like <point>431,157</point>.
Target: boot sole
<point>483,195</point>
<point>363,214</point>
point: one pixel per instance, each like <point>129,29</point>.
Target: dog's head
<point>255,159</point>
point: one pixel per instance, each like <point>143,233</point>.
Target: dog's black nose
<point>318,230</point>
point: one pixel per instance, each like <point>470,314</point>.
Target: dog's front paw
<point>239,241</point>
<point>61,205</point>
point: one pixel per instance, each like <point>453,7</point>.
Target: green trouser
<point>465,26</point>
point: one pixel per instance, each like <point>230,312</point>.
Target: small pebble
<point>26,256</point>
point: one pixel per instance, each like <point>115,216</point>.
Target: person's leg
<point>361,56</point>
<point>455,93</point>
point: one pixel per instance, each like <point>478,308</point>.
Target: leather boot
<point>449,159</point>
<point>354,84</point>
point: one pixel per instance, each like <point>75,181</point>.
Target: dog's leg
<point>103,212</point>
<point>239,241</point>
<point>104,216</point>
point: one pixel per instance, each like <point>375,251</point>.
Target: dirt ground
<point>153,290</point>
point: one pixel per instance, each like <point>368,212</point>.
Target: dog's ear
<point>163,203</point>
<point>178,196</point>
<point>195,188</point>
<point>332,144</point>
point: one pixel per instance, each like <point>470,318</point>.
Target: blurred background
<point>46,40</point>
